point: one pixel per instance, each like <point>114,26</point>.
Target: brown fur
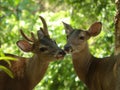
<point>96,73</point>
<point>18,66</point>
<point>28,72</point>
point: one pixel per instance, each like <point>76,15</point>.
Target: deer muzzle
<point>68,48</point>
<point>60,54</point>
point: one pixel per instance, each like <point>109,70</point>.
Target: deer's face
<point>47,47</point>
<point>43,46</point>
<point>77,38</point>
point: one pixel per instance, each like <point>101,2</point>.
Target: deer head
<point>77,38</point>
<point>43,45</point>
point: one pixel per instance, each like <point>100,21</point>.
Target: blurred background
<point>17,14</point>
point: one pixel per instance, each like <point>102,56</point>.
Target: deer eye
<point>81,37</point>
<point>43,49</point>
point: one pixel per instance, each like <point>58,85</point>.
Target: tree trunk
<point>117,28</point>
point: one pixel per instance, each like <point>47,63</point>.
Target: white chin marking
<point>75,51</point>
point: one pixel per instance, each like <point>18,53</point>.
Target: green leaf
<point>8,59</point>
<point>6,71</point>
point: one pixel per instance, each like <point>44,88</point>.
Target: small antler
<point>33,37</point>
<point>44,29</point>
<point>28,38</point>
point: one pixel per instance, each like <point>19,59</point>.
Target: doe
<point>96,73</point>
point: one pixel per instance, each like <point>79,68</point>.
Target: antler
<point>44,29</point>
<point>28,38</point>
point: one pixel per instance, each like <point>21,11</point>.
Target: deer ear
<point>24,45</point>
<point>40,33</point>
<point>95,29</point>
<point>68,28</point>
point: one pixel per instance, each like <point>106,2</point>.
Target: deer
<point>96,73</point>
<point>28,72</point>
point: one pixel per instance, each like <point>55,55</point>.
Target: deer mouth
<point>68,49</point>
<point>60,55</point>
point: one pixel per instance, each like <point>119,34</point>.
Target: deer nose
<point>62,52</point>
<point>67,48</point>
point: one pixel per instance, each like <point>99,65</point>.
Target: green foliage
<point>16,14</point>
<point>7,60</point>
<point>7,71</point>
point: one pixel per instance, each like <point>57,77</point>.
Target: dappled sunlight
<point>24,14</point>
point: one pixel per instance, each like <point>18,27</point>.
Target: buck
<point>96,73</point>
<point>29,71</point>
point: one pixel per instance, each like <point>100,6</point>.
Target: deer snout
<point>60,54</point>
<point>68,48</point>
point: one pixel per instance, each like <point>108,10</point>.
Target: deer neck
<point>81,61</point>
<point>36,68</point>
